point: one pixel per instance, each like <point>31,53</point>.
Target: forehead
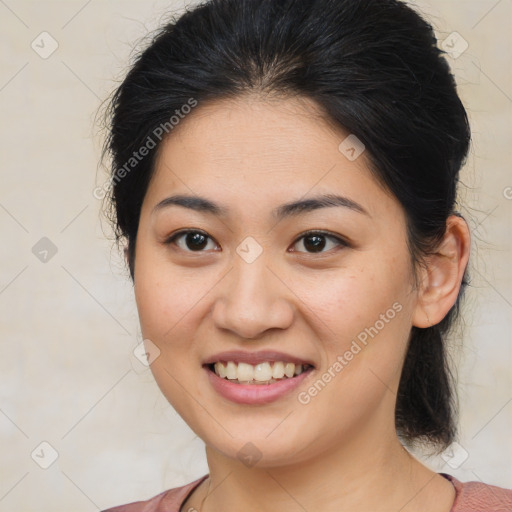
<point>249,149</point>
<point>251,131</point>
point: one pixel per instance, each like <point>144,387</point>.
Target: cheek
<point>167,304</point>
<point>364,319</point>
<point>363,349</point>
<point>167,296</point>
<point>351,300</point>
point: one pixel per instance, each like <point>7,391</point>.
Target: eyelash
<point>341,243</point>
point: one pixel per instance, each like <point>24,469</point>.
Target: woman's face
<point>247,286</point>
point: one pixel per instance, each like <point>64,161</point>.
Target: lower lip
<point>254,394</point>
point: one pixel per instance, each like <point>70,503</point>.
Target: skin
<point>251,155</point>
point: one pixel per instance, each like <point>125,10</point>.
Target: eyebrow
<point>203,205</point>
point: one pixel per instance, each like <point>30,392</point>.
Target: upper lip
<point>239,356</point>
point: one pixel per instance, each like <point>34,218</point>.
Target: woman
<point>284,174</point>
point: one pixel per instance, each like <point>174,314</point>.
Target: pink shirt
<point>469,497</point>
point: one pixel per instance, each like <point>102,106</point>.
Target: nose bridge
<point>250,281</point>
<point>252,299</point>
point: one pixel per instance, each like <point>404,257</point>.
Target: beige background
<point>68,376</point>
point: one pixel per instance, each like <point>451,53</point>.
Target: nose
<point>252,299</point>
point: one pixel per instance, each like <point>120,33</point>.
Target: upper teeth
<point>261,372</point>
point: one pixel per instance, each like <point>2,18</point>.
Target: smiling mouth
<point>262,373</point>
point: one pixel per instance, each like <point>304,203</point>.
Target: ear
<point>441,278</point>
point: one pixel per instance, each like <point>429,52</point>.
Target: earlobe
<point>442,276</point>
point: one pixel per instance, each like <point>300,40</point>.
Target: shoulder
<point>478,497</point>
<point>167,501</point>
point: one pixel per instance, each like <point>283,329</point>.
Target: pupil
<point>317,245</point>
<point>195,241</point>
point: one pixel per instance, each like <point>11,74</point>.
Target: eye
<point>316,241</point>
<point>312,241</point>
<point>190,240</point>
